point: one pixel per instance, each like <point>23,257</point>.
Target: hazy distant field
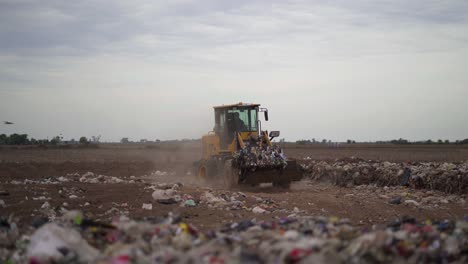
<point>140,159</point>
<point>166,153</point>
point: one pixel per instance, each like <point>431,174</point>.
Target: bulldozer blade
<point>279,177</point>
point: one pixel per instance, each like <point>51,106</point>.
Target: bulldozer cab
<point>233,119</point>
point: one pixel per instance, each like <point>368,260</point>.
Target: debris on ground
<point>45,205</point>
<point>258,210</point>
<point>53,242</point>
<point>277,225</point>
<point>75,239</point>
<point>147,206</point>
<point>441,176</point>
<point>190,203</point>
<point>411,202</point>
<point>88,177</point>
<point>396,200</point>
<point>168,196</point>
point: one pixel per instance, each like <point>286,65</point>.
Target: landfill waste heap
<point>72,238</point>
<point>253,156</point>
<point>441,176</point>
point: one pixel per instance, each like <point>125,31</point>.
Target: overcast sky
<point>365,70</point>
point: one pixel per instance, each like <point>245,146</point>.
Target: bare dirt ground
<point>384,152</point>
<point>24,173</point>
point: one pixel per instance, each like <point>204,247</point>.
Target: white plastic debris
<point>147,206</point>
<point>87,175</point>
<point>258,210</point>
<point>115,180</point>
<point>49,243</point>
<point>159,173</point>
<point>411,202</point>
<point>62,179</point>
<point>209,198</point>
<point>2,204</point>
<point>163,194</point>
<point>45,205</point>
<point>291,234</point>
<point>40,198</point>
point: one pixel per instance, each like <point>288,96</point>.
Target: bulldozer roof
<point>238,104</point>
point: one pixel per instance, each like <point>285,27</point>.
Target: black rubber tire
<point>202,174</point>
<point>283,184</point>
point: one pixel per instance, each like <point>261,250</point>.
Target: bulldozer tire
<point>202,172</point>
<point>230,174</point>
<point>282,184</point>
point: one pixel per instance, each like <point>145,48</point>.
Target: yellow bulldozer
<point>238,151</point>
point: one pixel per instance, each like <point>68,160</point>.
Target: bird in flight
<point>8,123</point>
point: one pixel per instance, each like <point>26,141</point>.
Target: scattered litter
<point>45,205</point>
<point>63,179</point>
<point>52,243</point>
<point>88,177</point>
<point>159,173</point>
<point>396,200</point>
<point>168,196</point>
<point>258,210</point>
<point>209,198</point>
<point>167,201</point>
<point>411,202</point>
<point>190,203</point>
<point>40,198</point>
<point>74,239</point>
<point>147,206</point>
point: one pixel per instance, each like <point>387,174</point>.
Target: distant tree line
<point>313,141</point>
<point>400,141</point>
<point>126,140</point>
<point>23,139</point>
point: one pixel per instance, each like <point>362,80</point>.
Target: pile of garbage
<point>253,156</point>
<point>75,239</point>
<point>403,196</point>
<point>441,176</point>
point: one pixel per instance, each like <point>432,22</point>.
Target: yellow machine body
<point>211,143</point>
<point>234,125</point>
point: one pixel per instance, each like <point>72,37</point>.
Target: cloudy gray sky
<point>338,69</point>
